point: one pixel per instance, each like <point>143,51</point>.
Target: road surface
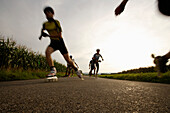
<point>71,95</point>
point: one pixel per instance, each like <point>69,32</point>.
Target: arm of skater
<point>120,8</point>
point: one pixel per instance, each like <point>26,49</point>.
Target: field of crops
<point>13,56</point>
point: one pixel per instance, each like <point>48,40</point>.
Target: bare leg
<point>50,62</point>
<point>90,73</point>
<point>94,72</point>
<point>48,53</point>
<point>72,72</point>
<point>97,66</point>
<point>69,72</point>
<point>68,59</point>
<point>66,70</point>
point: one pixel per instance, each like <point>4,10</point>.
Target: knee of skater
<point>47,54</point>
<point>68,61</point>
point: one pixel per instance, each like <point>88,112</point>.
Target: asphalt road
<point>90,96</point>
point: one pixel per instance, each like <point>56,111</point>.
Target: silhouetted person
<point>96,57</point>
<point>92,66</point>
<point>160,62</point>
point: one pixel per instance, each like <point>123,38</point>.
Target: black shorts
<point>59,45</point>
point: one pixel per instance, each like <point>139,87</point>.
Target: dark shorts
<point>59,45</point>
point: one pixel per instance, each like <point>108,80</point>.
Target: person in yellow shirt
<point>53,27</point>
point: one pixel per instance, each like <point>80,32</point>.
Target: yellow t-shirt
<point>52,28</point>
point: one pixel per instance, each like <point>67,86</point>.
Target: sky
<point>126,41</point>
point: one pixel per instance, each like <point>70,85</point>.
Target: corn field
<point>19,57</point>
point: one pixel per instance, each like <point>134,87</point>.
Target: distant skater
<point>160,62</point>
<point>92,66</point>
<point>96,56</point>
<point>53,27</point>
<point>69,69</point>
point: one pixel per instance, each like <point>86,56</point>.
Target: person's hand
<point>44,34</point>
<point>120,8</point>
<point>40,37</point>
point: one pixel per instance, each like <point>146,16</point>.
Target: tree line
<point>142,70</point>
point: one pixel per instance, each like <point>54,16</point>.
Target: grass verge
<point>9,75</point>
<point>145,77</point>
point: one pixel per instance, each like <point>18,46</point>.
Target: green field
<point>9,75</point>
<point>145,77</point>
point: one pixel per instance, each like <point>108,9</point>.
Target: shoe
<point>52,73</point>
<point>160,62</point>
<point>79,74</point>
<point>51,79</point>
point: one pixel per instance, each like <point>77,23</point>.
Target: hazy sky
<point>126,41</point>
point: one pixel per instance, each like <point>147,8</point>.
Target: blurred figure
<point>163,6</point>
<point>92,66</point>
<point>52,26</point>
<point>160,62</point>
<point>69,69</point>
<point>96,58</point>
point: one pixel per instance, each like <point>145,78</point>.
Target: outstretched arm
<point>43,34</point>
<point>101,57</point>
<point>120,8</point>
